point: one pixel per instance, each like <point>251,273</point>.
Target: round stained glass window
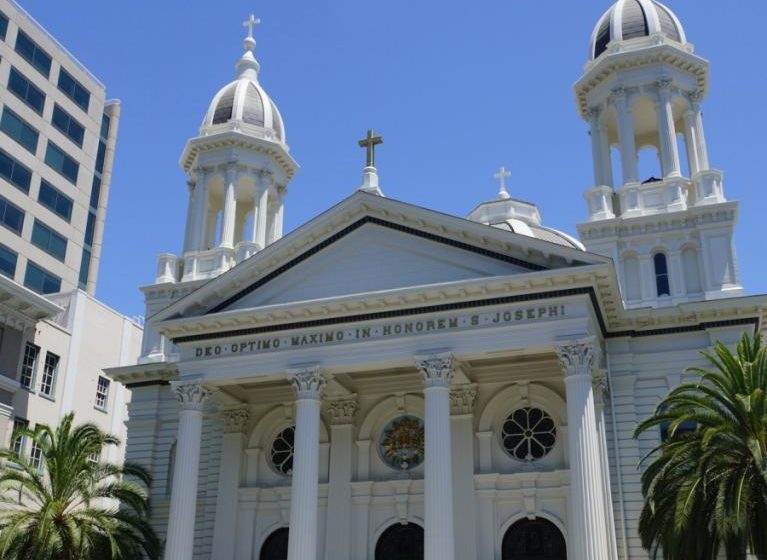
<point>402,443</point>
<point>528,434</point>
<point>281,453</point>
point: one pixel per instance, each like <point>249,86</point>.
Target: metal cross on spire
<point>370,143</point>
<point>250,23</point>
<point>502,175</point>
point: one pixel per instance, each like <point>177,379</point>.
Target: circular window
<point>528,434</point>
<point>281,453</point>
<point>402,443</point>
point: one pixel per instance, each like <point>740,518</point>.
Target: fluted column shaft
<point>437,373</point>
<point>669,149</point>
<point>629,164</point>
<point>587,519</point>
<point>179,544</point>
<point>261,209</point>
<point>596,146</point>
<point>302,542</point>
<point>601,393</point>
<point>700,136</point>
<point>230,209</point>
<point>200,214</point>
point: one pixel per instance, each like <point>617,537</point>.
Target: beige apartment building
<point>57,141</point>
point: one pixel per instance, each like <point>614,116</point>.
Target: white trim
<point>9,384</point>
<point>616,22</point>
<point>651,16</point>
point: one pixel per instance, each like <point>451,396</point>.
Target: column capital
<point>235,420</point>
<point>577,358</point>
<point>191,396</point>
<point>342,410</point>
<point>601,385</point>
<point>232,170</point>
<point>462,399</point>
<point>437,370</point>
<point>265,178</point>
<point>308,383</point>
<point>664,85</point>
<point>618,95</point>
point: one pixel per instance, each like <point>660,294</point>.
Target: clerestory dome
<point>244,102</point>
<point>631,19</point>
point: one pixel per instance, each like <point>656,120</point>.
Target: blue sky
<point>456,89</point>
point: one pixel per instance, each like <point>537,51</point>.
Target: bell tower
<point>238,170</point>
<point>670,236</point>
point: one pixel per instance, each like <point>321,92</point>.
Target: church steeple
<point>642,89</point>
<point>239,169</point>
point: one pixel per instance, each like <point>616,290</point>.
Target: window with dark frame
<point>22,88</point>
<point>29,365</point>
<point>662,284</point>
<point>33,53</point>
<point>102,392</point>
<point>17,444</point>
<point>48,379</point>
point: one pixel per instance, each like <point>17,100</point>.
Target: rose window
<point>281,453</point>
<point>402,443</point>
<point>528,434</point>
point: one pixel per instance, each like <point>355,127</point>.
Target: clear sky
<point>456,89</point>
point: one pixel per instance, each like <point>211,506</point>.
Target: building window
<point>36,456</point>
<point>11,216</point>
<point>49,241</point>
<point>56,201</point>
<point>3,25</point>
<point>85,269</point>
<point>14,172</point>
<point>8,261</point>
<point>102,392</point>
<point>40,280</point>
<point>59,161</point>
<point>281,452</point>
<point>29,365</point>
<point>94,457</point>
<point>528,434</point>
<point>50,368</point>
<point>74,89</point>
<point>18,441</point>
<point>90,229</point>
<point>662,284</point>
<point>401,445</point>
<point>26,91</point>
<point>105,123</point>
<point>33,53</point>
<point>95,192</point>
<point>19,129</point>
<point>68,125</point>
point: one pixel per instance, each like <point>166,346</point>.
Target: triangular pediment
<point>372,245</point>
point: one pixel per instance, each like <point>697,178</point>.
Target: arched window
<point>276,546</point>
<point>662,283</point>
<point>400,542</point>
<point>533,539</point>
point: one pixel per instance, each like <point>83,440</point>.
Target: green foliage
<point>72,507</point>
<point>706,490</point>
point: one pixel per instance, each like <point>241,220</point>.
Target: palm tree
<point>69,505</point>
<point>706,488</point>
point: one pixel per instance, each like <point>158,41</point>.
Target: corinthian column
<point>302,542</point>
<point>588,531</point>
<point>437,373</point>
<point>183,501</point>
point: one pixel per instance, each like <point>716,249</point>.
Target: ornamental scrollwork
<point>191,396</point>
<point>235,420</point>
<point>577,358</point>
<point>436,371</point>
<point>308,383</point>
<point>342,410</point>
<point>462,399</point>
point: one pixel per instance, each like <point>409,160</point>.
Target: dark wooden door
<point>401,542</point>
<point>534,539</point>
<point>276,546</point>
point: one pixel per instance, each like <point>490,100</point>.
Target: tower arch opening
<point>533,539</point>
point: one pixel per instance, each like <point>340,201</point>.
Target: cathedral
<point>388,382</point>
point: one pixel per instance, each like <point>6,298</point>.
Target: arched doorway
<point>401,542</point>
<point>533,539</point>
<point>275,546</point>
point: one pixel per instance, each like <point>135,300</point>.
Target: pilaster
<point>462,401</point>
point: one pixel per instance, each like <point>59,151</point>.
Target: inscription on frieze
<point>394,329</point>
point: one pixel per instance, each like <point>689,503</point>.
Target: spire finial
<point>502,175</point>
<point>370,174</point>
<point>248,62</point>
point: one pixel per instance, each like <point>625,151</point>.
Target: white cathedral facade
<point>387,382</point>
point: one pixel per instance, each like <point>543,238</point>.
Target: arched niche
<point>492,456</point>
<point>542,537</point>
<point>369,463</point>
<point>691,268</point>
<point>632,276</point>
<point>259,470</point>
<point>274,545</point>
<point>400,542</point>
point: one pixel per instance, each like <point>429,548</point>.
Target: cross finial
<point>370,143</point>
<point>502,175</point>
<point>250,23</point>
